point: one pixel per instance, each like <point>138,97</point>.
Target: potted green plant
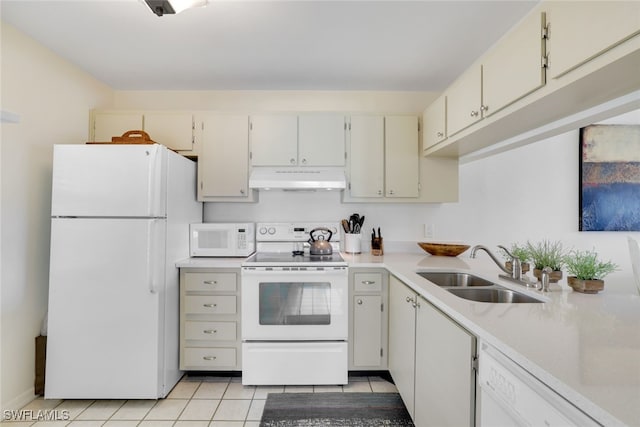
<point>585,272</point>
<point>520,252</point>
<point>546,254</point>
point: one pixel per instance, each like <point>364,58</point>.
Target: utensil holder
<point>377,246</point>
<point>352,243</point>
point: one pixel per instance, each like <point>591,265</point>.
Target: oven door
<point>294,305</point>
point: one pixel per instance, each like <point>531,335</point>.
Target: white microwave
<point>212,239</point>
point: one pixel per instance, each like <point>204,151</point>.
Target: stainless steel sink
<point>452,279</point>
<point>474,288</point>
<point>493,294</point>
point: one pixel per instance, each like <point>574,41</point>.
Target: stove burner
<point>297,253</point>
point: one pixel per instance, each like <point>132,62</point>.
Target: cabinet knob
<point>391,192</point>
<point>484,108</point>
<point>210,331</point>
<point>242,191</point>
<point>379,192</point>
<point>210,305</point>
<point>368,282</point>
<point>209,357</point>
<point>292,161</point>
<point>439,134</point>
<point>210,282</point>
<point>474,114</point>
<point>359,302</point>
<point>409,299</point>
<point>304,161</point>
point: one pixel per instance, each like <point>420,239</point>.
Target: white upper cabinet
<point>581,30</point>
<point>292,140</point>
<point>223,164</point>
<point>383,157</point>
<point>109,124</point>
<point>515,65</point>
<point>174,130</point>
<point>366,156</point>
<point>512,69</point>
<point>402,174</point>
<point>321,140</point>
<point>274,140</point>
<point>435,123</point>
<point>464,101</point>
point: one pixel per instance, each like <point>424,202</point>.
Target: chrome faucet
<point>515,275</point>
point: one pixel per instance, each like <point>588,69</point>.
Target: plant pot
<point>554,276</point>
<point>525,266</point>
<point>591,286</point>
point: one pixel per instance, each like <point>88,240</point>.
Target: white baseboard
<point>20,401</point>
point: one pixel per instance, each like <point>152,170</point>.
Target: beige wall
<point>52,99</point>
<point>239,100</point>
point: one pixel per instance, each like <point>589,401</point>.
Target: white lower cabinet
<point>210,319</point>
<point>431,360</point>
<point>368,319</point>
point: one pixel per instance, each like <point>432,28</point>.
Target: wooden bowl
<point>443,249</point>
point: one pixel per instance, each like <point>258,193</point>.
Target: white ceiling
<point>269,45</point>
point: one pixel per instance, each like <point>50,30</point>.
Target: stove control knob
<point>263,230</point>
<point>272,230</point>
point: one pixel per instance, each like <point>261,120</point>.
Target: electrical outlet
<point>429,231</point>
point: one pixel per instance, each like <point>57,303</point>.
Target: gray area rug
<point>334,409</point>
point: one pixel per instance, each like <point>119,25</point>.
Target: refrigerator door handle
<point>150,252</point>
<point>150,178</point>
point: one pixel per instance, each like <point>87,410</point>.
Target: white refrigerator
<point>120,221</point>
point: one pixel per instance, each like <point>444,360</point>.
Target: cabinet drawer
<point>210,331</point>
<point>371,282</point>
<point>210,357</point>
<point>210,282</point>
<point>210,304</point>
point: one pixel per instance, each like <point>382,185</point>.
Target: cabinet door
<point>274,140</point>
<point>223,164</point>
<point>445,380</point>
<point>367,330</point>
<point>513,68</point>
<point>402,340</point>
<point>434,123</point>
<point>464,99</point>
<point>174,130</point>
<point>582,30</point>
<point>401,156</point>
<point>321,140</point>
<point>366,156</point>
<point>107,125</point>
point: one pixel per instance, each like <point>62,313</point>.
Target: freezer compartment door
<point>106,307</point>
<point>109,180</point>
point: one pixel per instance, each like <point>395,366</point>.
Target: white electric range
<point>294,308</point>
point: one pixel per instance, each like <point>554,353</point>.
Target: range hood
<point>297,179</point>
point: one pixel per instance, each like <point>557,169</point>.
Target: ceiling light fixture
<point>168,7</point>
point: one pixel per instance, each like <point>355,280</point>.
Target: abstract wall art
<point>610,178</point>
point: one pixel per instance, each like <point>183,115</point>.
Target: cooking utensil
<point>345,226</point>
<point>319,245</point>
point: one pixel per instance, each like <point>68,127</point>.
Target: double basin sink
<point>474,288</point>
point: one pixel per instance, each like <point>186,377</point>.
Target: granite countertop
<point>585,347</point>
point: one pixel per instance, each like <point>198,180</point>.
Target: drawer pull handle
<point>209,357</point>
<point>368,282</point>
<point>210,282</point>
<point>210,331</point>
<point>210,305</point>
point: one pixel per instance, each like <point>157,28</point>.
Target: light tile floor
<point>196,401</point>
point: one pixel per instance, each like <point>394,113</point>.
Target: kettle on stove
<point>318,244</point>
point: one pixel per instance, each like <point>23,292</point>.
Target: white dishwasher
<point>511,396</point>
